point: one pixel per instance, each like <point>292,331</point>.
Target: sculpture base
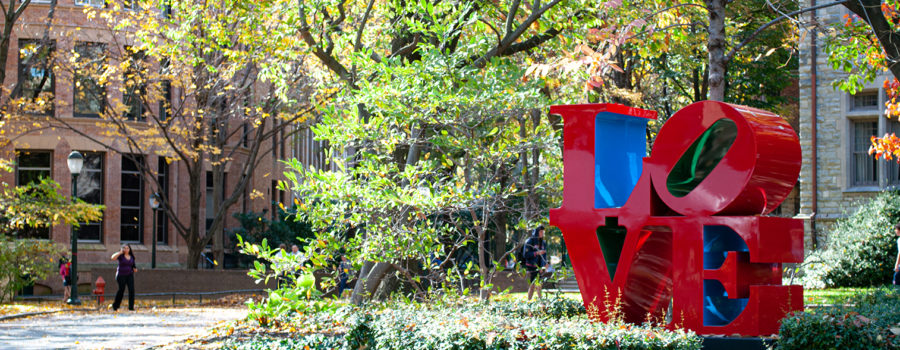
<point>736,343</point>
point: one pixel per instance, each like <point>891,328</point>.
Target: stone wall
<point>836,198</point>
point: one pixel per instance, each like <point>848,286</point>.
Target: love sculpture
<point>680,235</point>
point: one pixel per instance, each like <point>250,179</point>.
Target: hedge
<point>549,325</point>
<point>870,322</point>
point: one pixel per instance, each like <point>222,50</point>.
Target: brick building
<point>838,126</point>
<point>108,178</point>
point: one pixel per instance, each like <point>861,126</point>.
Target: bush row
<point>469,327</point>
<point>869,323</point>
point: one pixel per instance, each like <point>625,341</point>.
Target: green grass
<point>833,295</point>
<point>524,296</point>
<point>810,296</point>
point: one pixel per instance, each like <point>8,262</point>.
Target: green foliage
<point>24,261</point>
<point>464,327</point>
<point>41,204</point>
<point>297,291</point>
<point>860,249</point>
<point>555,307</point>
<point>286,229</point>
<point>867,324</point>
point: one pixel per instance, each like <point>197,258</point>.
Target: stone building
<point>835,131</point>
<point>109,178</point>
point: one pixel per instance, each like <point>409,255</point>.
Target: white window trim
<point>90,3</point>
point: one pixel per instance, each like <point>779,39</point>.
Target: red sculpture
<point>689,246</point>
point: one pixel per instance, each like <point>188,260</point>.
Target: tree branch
<point>738,47</point>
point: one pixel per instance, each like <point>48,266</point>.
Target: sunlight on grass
<point>833,295</point>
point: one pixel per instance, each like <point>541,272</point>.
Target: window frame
<point>134,57</point>
<point>141,201</point>
<point>89,3</point>
<point>854,154</point>
<point>20,72</point>
<point>18,182</point>
<point>103,184</point>
<point>75,78</point>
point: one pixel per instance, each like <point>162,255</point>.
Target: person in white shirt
<point>279,265</point>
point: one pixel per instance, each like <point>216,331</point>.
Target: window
<point>166,9</point>
<point>867,100</point>
<point>93,3</point>
<point>31,167</point>
<point>863,168</point>
<point>277,196</point>
<point>135,86</point>
<point>131,5</point>
<point>245,134</point>
<point>165,104</point>
<point>36,76</point>
<point>893,169</point>
<point>90,190</point>
<point>90,95</point>
<point>162,219</point>
<point>210,206</point>
<point>132,205</point>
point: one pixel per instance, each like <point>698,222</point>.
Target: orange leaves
<point>887,147</point>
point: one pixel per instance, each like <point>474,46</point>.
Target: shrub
<point>553,307</point>
<point>865,325</point>
<point>860,249</point>
<point>24,261</point>
<point>464,327</point>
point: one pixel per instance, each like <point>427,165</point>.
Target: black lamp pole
<point>75,162</point>
<point>154,205</point>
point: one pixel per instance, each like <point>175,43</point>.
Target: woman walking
<point>124,276</point>
<point>65,267</point>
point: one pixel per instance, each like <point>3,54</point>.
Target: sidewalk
<point>108,330</point>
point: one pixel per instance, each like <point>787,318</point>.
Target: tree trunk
<point>500,237</point>
<point>195,247</point>
<point>716,48</point>
<point>483,292</point>
<point>368,282</point>
<point>218,230</point>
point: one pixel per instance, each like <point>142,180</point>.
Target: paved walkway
<point>107,330</point>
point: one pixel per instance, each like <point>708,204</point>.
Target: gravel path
<point>108,330</point>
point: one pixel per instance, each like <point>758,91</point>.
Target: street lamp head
<point>154,201</point>
<point>76,160</point>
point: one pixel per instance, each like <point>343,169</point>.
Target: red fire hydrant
<point>100,290</point>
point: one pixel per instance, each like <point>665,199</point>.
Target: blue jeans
<point>896,278</point>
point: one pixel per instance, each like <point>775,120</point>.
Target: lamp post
<point>75,161</point>
<point>154,204</point>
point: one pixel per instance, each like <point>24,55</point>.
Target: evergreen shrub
<point>860,249</point>
<point>871,321</point>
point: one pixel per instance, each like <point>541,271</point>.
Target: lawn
<point>810,296</point>
<point>833,295</point>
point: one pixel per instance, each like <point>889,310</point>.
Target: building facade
<point>108,177</point>
<point>835,131</point>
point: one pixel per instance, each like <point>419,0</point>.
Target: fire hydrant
<point>100,290</point>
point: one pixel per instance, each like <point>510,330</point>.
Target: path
<point>108,330</point>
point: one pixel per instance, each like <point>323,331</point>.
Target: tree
<point>864,45</point>
<point>201,83</point>
<point>24,261</point>
<point>11,14</point>
<point>433,120</point>
<point>666,54</point>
